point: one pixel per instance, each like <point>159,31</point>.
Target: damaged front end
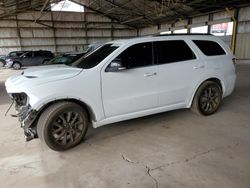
<point>26,115</point>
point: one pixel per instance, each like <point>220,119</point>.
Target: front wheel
<point>16,66</point>
<point>62,125</point>
<point>207,99</point>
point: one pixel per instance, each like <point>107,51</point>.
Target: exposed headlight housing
<point>20,98</point>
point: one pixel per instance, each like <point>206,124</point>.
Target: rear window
<point>173,51</point>
<point>209,48</point>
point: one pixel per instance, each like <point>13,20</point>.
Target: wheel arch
<point>213,79</point>
<point>17,62</point>
<point>88,109</point>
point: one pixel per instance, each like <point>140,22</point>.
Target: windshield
<point>94,58</point>
<point>62,60</point>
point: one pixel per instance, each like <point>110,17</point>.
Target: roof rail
<point>177,34</point>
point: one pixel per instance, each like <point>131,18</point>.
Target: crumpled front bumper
<point>27,116</point>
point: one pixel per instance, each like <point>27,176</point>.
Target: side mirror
<point>115,66</point>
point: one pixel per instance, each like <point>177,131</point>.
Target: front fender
<point>40,104</point>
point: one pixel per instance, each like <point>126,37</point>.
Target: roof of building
<point>137,14</point>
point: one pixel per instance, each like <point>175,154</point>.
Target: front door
<point>27,58</point>
<point>133,89</point>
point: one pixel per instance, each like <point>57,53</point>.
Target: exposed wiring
<point>9,107</point>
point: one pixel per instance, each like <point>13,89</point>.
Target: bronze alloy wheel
<point>62,125</point>
<point>210,99</point>
<point>67,127</point>
<point>207,99</point>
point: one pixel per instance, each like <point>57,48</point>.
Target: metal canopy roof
<point>12,7</point>
<point>135,13</point>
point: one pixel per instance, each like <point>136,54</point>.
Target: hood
<point>40,75</point>
<point>52,71</point>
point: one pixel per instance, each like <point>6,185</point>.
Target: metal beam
<point>42,9</point>
<point>234,16</point>
<point>100,12</point>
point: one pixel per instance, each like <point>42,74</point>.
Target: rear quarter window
<point>209,48</point>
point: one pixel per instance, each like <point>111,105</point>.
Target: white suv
<point>122,80</point>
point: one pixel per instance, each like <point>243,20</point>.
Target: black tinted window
<point>138,55</point>
<point>209,48</point>
<point>28,54</point>
<point>46,53</point>
<point>19,53</point>
<point>173,51</point>
<point>38,53</point>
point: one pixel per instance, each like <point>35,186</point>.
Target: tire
<point>16,65</point>
<point>2,63</point>
<point>62,125</point>
<point>207,99</point>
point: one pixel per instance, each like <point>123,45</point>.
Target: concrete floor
<point>173,149</point>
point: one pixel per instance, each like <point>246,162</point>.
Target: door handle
<point>150,74</point>
<point>199,67</point>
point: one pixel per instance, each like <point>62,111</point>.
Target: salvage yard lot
<point>172,149</point>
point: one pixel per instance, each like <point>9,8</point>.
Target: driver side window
<point>29,54</point>
<point>138,55</point>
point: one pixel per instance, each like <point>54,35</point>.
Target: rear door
<point>179,70</point>
<point>133,89</point>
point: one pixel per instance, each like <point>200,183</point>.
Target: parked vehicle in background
<point>13,54</point>
<point>70,57</point>
<point>122,80</point>
<point>30,58</point>
<point>66,58</point>
<point>2,60</point>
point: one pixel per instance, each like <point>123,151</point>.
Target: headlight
<point>9,60</point>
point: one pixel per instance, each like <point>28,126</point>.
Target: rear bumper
<point>230,85</point>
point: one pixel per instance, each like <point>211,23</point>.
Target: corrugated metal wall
<point>243,36</point>
<point>71,31</point>
<point>243,46</point>
<point>59,31</point>
<point>219,17</point>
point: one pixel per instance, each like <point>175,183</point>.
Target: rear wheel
<point>62,126</point>
<point>207,99</point>
<point>16,65</point>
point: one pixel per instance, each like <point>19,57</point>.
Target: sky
<point>67,5</point>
